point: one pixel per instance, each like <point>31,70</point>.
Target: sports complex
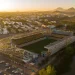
<point>34,42</point>
<point>37,43</point>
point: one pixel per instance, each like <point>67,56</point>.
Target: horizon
<point>37,10</point>
<point>34,5</point>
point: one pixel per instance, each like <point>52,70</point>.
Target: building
<point>58,45</point>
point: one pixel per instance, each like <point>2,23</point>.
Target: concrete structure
<point>28,56</point>
<point>58,45</point>
<point>62,32</point>
<point>31,42</point>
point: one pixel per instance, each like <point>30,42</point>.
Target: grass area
<point>39,46</point>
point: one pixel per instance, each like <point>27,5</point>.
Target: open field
<point>39,46</point>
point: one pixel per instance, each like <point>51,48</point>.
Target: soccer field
<point>38,47</point>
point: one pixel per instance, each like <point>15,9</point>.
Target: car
<point>9,67</point>
<point>13,66</point>
<point>7,64</point>
<point>22,73</point>
<point>13,71</point>
<point>16,72</point>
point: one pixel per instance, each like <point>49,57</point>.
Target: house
<point>5,31</point>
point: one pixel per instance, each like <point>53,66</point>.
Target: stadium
<point>40,43</point>
<point>33,44</point>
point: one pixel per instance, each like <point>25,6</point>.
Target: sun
<point>5,5</point>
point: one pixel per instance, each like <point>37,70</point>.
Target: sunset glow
<point>29,5</point>
<point>4,6</point>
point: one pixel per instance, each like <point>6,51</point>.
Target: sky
<point>29,5</point>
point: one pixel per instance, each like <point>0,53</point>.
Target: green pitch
<point>38,47</point>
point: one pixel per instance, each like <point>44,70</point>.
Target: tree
<point>48,71</point>
<point>69,51</point>
<point>51,70</point>
<point>43,72</point>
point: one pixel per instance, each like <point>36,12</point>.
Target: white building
<point>58,45</point>
<point>5,31</point>
<point>62,32</point>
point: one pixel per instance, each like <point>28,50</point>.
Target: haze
<point>31,5</point>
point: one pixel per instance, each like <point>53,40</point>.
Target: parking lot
<point>6,68</point>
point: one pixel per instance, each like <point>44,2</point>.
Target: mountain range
<point>59,9</point>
